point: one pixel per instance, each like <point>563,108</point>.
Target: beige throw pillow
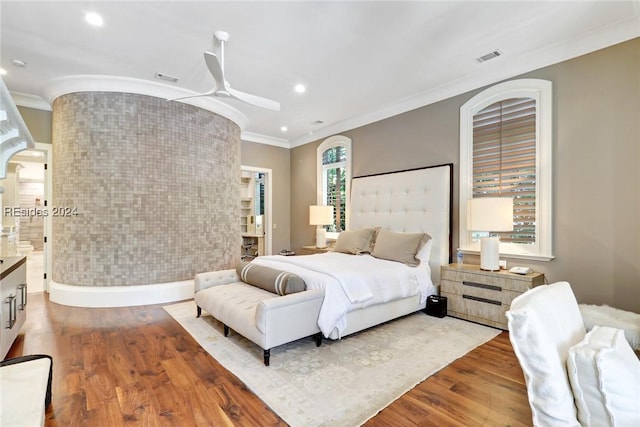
<point>272,280</point>
<point>355,241</point>
<point>400,247</point>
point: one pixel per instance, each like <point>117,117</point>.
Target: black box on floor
<point>436,306</point>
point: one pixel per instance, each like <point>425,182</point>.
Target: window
<point>505,151</point>
<point>334,180</point>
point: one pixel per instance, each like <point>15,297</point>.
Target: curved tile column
<point>146,193</point>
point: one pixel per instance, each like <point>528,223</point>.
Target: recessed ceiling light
<point>3,72</point>
<point>18,63</point>
<point>94,19</point>
<point>284,129</point>
<point>299,88</point>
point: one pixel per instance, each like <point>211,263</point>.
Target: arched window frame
<point>329,143</point>
<point>541,91</point>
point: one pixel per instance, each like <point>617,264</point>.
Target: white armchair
<point>25,390</point>
<point>573,378</point>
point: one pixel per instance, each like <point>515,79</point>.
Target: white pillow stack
<point>605,377</point>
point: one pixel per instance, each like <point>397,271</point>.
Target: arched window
<point>334,179</point>
<point>505,151</point>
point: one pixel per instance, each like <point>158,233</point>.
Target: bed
<point>411,201</point>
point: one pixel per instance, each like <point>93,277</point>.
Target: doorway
<point>256,211</point>
<point>32,196</point>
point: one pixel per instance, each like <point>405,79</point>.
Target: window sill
<point>530,257</point>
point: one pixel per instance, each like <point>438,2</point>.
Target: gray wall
<point>278,160</point>
<point>38,122</point>
<point>155,185</point>
<point>596,170</point>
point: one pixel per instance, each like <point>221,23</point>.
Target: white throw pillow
<point>424,254</point>
<point>605,378</point>
<point>544,323</point>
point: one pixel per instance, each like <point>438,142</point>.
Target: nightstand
<point>309,250</point>
<point>483,296</point>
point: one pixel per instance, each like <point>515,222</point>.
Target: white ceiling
<point>361,61</point>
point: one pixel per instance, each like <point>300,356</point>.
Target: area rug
<point>343,382</point>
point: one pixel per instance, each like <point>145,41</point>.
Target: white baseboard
<point>119,296</point>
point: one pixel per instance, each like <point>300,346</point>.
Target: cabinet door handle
<point>11,300</point>
<point>23,296</point>
<point>482,286</point>
<point>486,300</point>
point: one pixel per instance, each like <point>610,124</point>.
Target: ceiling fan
<point>223,89</point>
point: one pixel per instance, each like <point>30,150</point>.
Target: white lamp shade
<point>490,214</point>
<point>320,215</point>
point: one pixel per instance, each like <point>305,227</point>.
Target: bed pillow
<point>400,247</point>
<point>424,254</point>
<point>355,241</point>
<point>605,378</point>
<point>272,280</point>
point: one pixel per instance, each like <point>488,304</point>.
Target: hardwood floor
<point>137,366</point>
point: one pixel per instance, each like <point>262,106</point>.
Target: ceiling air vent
<point>166,77</point>
<point>489,56</point>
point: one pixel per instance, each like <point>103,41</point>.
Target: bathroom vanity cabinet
<point>13,295</point>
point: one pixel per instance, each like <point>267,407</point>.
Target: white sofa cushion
<point>544,323</point>
<point>605,378</point>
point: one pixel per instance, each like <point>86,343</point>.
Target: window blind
<point>504,161</point>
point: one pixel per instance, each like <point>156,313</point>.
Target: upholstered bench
<point>265,318</point>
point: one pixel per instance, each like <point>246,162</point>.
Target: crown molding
<point>265,139</point>
<point>30,101</point>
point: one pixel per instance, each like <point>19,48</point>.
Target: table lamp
<point>320,216</point>
<point>491,214</point>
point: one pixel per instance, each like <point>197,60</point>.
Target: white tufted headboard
<point>417,200</point>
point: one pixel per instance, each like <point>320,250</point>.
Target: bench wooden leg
<point>226,331</point>
<point>318,339</point>
<point>199,311</point>
<point>267,354</point>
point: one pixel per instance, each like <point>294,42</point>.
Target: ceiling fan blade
<point>258,101</point>
<point>211,92</point>
<point>215,68</point>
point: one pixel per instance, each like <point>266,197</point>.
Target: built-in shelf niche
<point>250,224</point>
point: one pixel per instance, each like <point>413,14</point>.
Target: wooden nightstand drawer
<point>480,291</point>
<point>483,296</point>
<point>499,279</point>
<point>485,311</point>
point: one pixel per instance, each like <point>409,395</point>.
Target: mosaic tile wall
<point>146,190</point>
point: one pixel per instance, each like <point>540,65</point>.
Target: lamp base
<point>321,237</point>
<point>490,253</point>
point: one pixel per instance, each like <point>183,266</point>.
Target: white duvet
<point>353,281</point>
